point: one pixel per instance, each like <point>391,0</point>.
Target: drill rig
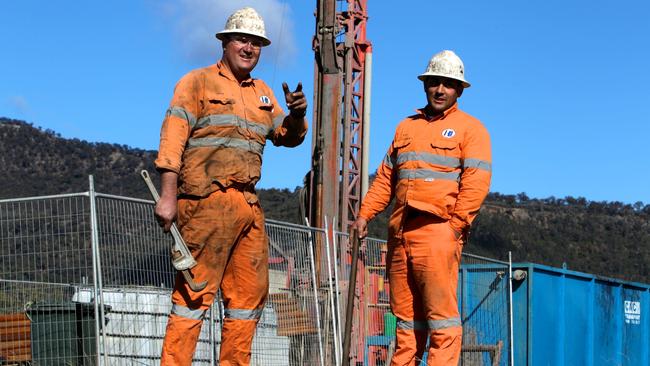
<point>341,123</point>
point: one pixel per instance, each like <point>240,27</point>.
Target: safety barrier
<point>85,279</point>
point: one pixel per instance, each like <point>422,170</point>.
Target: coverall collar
<point>422,111</point>
<point>225,71</point>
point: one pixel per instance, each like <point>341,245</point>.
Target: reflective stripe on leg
<point>243,314</point>
<point>185,312</point>
<point>412,324</point>
<point>444,323</point>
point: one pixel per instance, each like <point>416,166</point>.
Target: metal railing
<point>86,279</point>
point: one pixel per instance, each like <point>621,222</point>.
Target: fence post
<point>97,274</point>
<point>211,337</point>
<point>510,318</point>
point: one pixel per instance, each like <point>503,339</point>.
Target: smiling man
<point>210,158</point>
<point>438,170</point>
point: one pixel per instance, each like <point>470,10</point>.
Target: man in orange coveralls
<point>438,169</point>
<point>210,157</point>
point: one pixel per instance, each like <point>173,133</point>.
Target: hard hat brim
<point>426,74</point>
<point>224,33</point>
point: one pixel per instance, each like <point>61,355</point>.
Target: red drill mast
<point>338,168</point>
<point>338,177</point>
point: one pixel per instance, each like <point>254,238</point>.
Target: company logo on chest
<point>448,133</point>
<point>265,100</point>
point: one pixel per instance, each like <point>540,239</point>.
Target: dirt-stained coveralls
<point>438,170</point>
<point>213,136</point>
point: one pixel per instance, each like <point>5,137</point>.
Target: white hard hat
<point>446,64</point>
<point>245,21</point>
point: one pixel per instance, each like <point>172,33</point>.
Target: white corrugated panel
<point>136,327</point>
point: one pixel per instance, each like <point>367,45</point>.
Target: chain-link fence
<point>86,279</point>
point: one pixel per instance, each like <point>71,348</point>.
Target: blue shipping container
<point>567,318</point>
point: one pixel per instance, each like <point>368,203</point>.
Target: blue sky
<point>562,86</point>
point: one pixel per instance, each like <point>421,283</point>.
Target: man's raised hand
<point>296,101</point>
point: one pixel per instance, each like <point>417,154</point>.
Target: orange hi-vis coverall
<point>438,170</point>
<point>213,137</point>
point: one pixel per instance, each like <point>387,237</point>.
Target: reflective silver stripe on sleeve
<point>427,174</point>
<point>412,324</point>
<point>248,145</point>
<point>185,312</point>
<point>242,314</point>
<point>183,114</point>
<point>478,164</point>
<point>444,323</point>
<point>388,161</point>
<point>233,120</point>
<point>447,161</point>
<point>277,121</point>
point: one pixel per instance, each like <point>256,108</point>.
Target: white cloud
<point>19,104</point>
<point>195,23</point>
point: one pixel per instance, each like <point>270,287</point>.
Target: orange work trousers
<point>423,274</point>
<point>226,236</point>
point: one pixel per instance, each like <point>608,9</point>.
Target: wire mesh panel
<point>296,302</point>
<point>45,256</point>
<point>379,323</point>
<point>137,278</point>
<point>135,251</point>
<point>54,311</point>
<point>483,297</point>
<point>134,262</point>
<point>332,288</point>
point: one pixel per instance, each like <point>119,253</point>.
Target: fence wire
<point>52,310</point>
